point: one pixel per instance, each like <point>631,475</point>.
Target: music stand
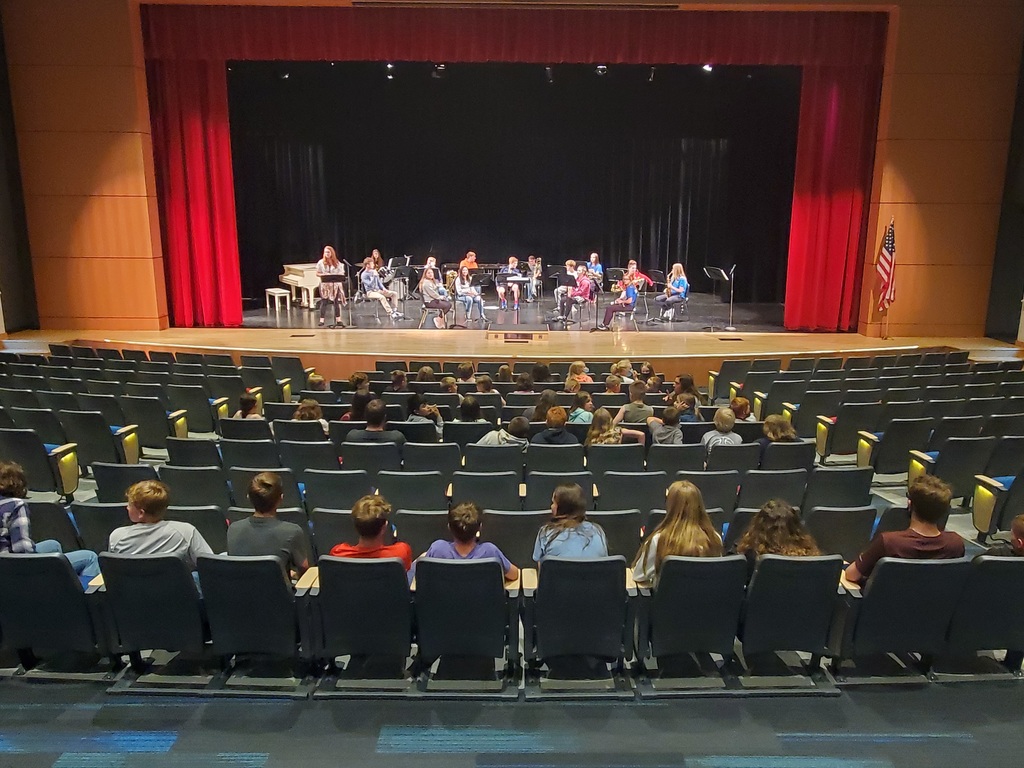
<point>403,272</point>
<point>337,279</point>
<point>719,275</point>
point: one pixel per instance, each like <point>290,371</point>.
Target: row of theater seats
<point>358,626</point>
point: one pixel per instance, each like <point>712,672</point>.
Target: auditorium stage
<point>336,353</point>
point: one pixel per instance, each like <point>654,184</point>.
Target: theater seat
<point>48,469</point>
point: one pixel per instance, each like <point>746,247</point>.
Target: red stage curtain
<point>187,48</point>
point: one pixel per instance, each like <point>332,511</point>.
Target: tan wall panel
<point>927,294</point>
<point>55,163</point>
<point>95,288</point>
<point>944,234</point>
<point>965,330</point>
<point>46,32</point>
<point>89,227</point>
<point>962,39</point>
<point>85,98</point>
<point>959,107</point>
<point>967,172</point>
<point>105,323</point>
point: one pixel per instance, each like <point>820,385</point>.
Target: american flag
<point>886,268</point>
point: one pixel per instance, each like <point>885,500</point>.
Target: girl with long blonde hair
<point>686,530</point>
<point>603,430</point>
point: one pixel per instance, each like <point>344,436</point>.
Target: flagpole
<point>892,279</point>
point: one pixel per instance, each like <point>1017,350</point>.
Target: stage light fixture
<point>601,70</point>
<point>549,73</point>
<point>439,70</point>
<point>708,68</point>
<point>650,77</point>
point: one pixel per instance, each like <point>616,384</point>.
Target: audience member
<point>464,522</point>
<point>582,411</point>
<point>928,502</point>
<point>579,372</point>
<point>420,412</point>
<point>776,529</point>
<point>1015,547</point>
<point>665,431</point>
<point>316,383</point>
<point>686,404</point>
<point>504,373</point>
<point>449,386</point>
<point>357,411</point>
<point>370,519</point>
<point>740,407</point>
<point>518,433</point>
<point>539,411</point>
<point>150,534</point>
<point>248,407</point>
<point>425,373</point>
<point>777,429</point>
<point>375,432</point>
<point>635,411</point>
<point>555,433</point>
<point>603,431</point>
<point>485,386</point>
<point>310,410</point>
<point>540,373</point>
<point>464,373</point>
<point>612,385</point>
<point>569,533</point>
<point>398,382</point>
<point>359,382</point>
<point>624,370</point>
<point>571,386</point>
<point>681,385</point>
<point>524,383</point>
<point>16,529</point>
<point>722,434</point>
<point>686,531</point>
<point>262,533</point>
<point>469,410</point>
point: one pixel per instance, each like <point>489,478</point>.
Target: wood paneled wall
<point>78,87</point>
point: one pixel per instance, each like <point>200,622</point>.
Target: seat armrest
<point>987,496</point>
<point>177,421</point>
<point>922,457</point>
<point>63,450</point>
<point>309,371</point>
<point>128,443</point>
<point>528,579</point>
<point>734,389</point>
<point>788,409</point>
<point>988,482</point>
<point>823,436</point>
<point>308,580</point>
<point>66,472</point>
<point>866,444</point>
<point>869,436</point>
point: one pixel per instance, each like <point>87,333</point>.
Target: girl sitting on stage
<point>468,295</point>
<point>435,297</point>
<point>604,432</point>
<point>685,531</point>
<point>675,292</point>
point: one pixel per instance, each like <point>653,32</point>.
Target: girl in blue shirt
<point>569,534</point>
<point>675,292</point>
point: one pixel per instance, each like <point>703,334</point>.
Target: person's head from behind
<point>247,404</point>
<point>670,417</point>
<point>13,483</point>
<point>464,372</point>
<point>147,501</point>
<point>519,427</point>
<point>425,373</point>
<point>464,522</point>
<point>556,417</point>
<point>524,383</point>
<point>740,407</point>
<point>776,529</point>
<point>600,425</point>
<point>541,372</point>
<point>929,499</point>
<point>359,402</point>
<point>484,384</point>
<point>265,492</point>
<point>686,529</point>
<point>504,373</point>
<point>398,379</point>
<point>583,402</point>
<point>568,504</point>
<point>376,414</point>
<point>316,383</point>
<point>578,368</point>
<point>359,381</point>
<point>448,384</point>
<point>308,410</point>
<point>572,386</point>
<point>1017,534</point>
<point>725,419</point>
<point>548,398</point>
<point>370,516</point>
<point>613,384</point>
<point>686,403</point>
<point>637,390</point>
<point>469,409</point>
<point>777,427</point>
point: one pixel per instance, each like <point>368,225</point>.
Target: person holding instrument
<point>578,295</point>
<point>467,294</point>
<point>375,290</point>
<point>512,270</point>
<point>535,271</point>
<point>434,296</point>
<point>627,288</point>
<point>675,291</point>
<point>332,294</point>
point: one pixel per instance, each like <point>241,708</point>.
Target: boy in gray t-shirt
<point>636,411</point>
<point>263,533</point>
<point>665,431</point>
<point>150,534</point>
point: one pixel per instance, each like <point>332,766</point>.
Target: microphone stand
<point>732,293</point>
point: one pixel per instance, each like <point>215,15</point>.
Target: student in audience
<point>539,411</point>
<point>635,411</point>
<point>469,410</point>
<point>359,382</point>
<point>683,384</point>
<point>687,407</point>
<point>150,534</point>
<point>603,431</point>
<point>464,522</point>
<point>357,411</point>
<point>16,528</point>
<point>777,429</point>
<point>624,370</point>
<point>464,373</point>
<point>425,373</point>
<point>524,383</point>
<point>419,412</point>
<point>722,434</point>
<point>578,371</point>
<point>398,382</point>
<point>262,533</point>
<point>686,530</point>
<point>555,434</point>
<point>569,533</point>
<point>248,407</point>
<point>316,383</point>
<point>776,529</point>
<point>582,411</point>
<point>646,370</point>
<point>928,502</point>
<point>571,386</point>
<point>540,373</point>
<point>376,422</point>
<point>370,518</point>
<point>665,431</point>
<point>612,385</point>
<point>518,433</point>
<point>504,373</point>
<point>485,386</point>
<point>310,410</point>
<point>449,386</point>
<point>1015,547</point>
<point>741,408</point>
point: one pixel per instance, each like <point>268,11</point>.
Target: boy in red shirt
<point>370,518</point>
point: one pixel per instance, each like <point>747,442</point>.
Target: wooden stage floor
<point>338,352</point>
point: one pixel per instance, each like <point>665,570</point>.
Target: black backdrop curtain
<point>691,167</point>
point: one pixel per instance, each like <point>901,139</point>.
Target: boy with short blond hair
<point>150,534</point>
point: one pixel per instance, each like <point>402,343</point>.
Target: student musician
<point>675,291</point>
<point>467,294</point>
<point>375,290</point>
<point>561,290</point>
<point>435,296</point>
<point>469,262</point>
<point>595,271</point>
<point>535,271</point>
<point>512,270</point>
<point>626,301</point>
<point>332,295</point>
<point>578,295</point>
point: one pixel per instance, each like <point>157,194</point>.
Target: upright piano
<point>302,277</point>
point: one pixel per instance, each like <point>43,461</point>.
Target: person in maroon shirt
<point>928,500</point>
<point>370,518</point>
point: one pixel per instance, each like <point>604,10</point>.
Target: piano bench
<point>277,294</point>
